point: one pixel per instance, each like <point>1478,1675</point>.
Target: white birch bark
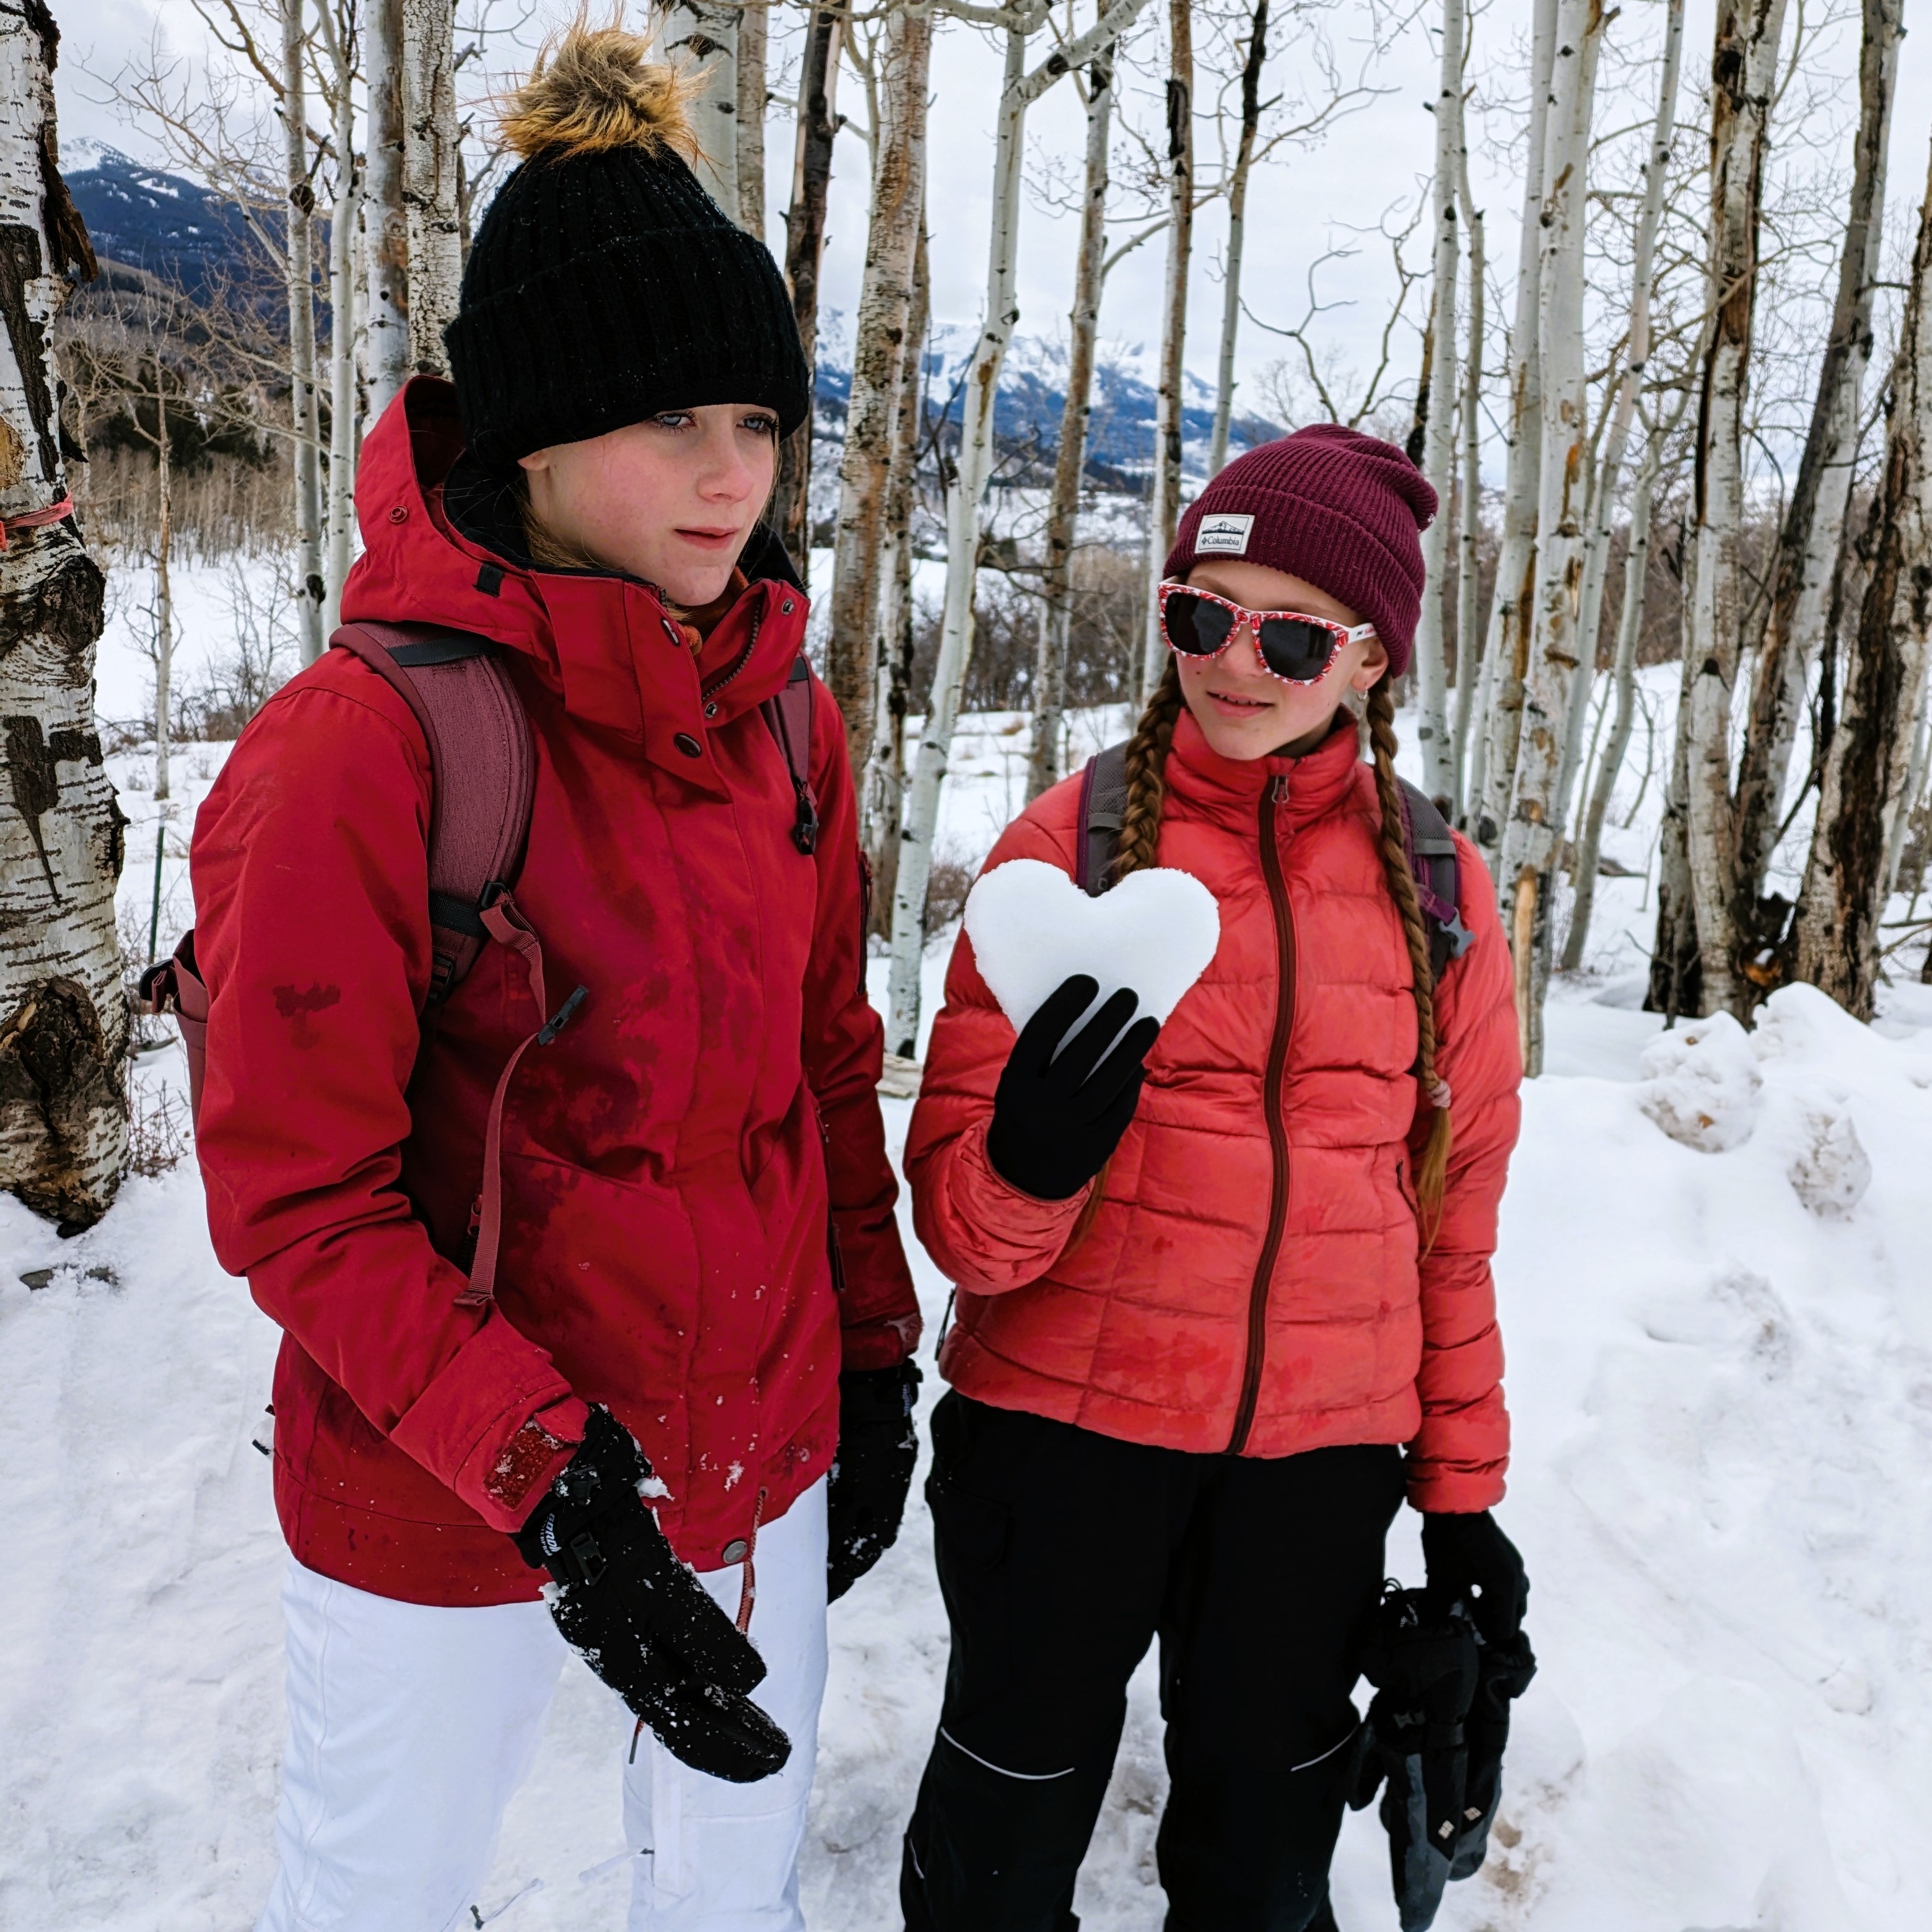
<point>164,590</point>
<point>1018,90</point>
<point>311,587</point>
<point>1256,56</point>
<point>1438,444</point>
<point>703,34</point>
<point>1506,651</point>
<point>343,332</point>
<point>1535,828</point>
<point>1848,871</point>
<point>753,42</point>
<point>854,644</point>
<point>431,169</point>
<point>385,295</point>
<point>1164,494</point>
<point>1912,791</point>
<point>1045,755</point>
<point>1745,69</point>
<point>63,1013</point>
<point>1469,535</point>
<point>1636,357</point>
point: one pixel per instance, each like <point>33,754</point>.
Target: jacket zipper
<point>708,688</point>
<point>1277,1126</point>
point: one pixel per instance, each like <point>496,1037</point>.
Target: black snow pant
<point>1062,1554</point>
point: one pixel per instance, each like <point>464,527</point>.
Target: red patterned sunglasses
<point>1292,646</point>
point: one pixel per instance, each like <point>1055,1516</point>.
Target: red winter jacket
<point>1250,1280</point>
<point>667,1161</point>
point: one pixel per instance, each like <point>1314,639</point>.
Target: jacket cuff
<point>883,1341</point>
<point>463,1428</point>
<point>1445,1490</point>
<point>1017,1236</point>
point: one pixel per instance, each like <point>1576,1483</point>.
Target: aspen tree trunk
<point>1018,90</point>
<point>1814,521</point>
<point>1164,496</point>
<point>754,40</point>
<point>432,163</point>
<point>1636,356</point>
<point>885,786</point>
<point>385,297</point>
<point>1047,751</point>
<point>855,645</point>
<point>1910,793</point>
<point>342,328</point>
<point>805,247</point>
<point>63,1014</point>
<point>1846,878</point>
<point>1623,683</point>
<point>1438,440</point>
<point>164,592</point>
<point>1743,74</point>
<point>1238,231</point>
<point>703,34</point>
<point>1506,651</point>
<point>1534,834</point>
<point>1468,540</point>
<point>304,407</point>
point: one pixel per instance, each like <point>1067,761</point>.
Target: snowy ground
<point>1721,1368</point>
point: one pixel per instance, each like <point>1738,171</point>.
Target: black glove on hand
<point>1056,1121</point>
<point>1470,1559</point>
<point>866,1494</point>
<point>640,1619</point>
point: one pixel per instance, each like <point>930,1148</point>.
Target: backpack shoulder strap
<point>788,718</point>
<point>1432,859</point>
<point>461,695</point>
<point>1103,809</point>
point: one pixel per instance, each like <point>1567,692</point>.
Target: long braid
<point>1146,776</point>
<point>1432,1173</point>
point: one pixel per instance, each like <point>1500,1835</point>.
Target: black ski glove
<point>1469,1558</point>
<point>1056,1122</point>
<point>640,1619</point>
<point>866,1494</point>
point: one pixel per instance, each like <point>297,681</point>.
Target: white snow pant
<point>410,1726</point>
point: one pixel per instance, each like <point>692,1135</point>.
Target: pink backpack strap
<point>788,718</point>
<point>461,696</point>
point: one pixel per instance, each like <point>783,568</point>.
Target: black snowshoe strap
<point>1426,836</point>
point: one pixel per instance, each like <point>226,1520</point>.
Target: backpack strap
<point>1103,810</point>
<point>788,718</point>
<point>1432,859</point>
<point>461,695</point>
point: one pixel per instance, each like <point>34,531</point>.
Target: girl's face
<point>1246,712</point>
<point>671,500</point>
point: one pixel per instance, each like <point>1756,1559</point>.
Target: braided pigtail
<point>1146,776</point>
<point>1432,1172</point>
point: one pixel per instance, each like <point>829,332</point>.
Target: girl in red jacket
<point>1224,1296</point>
<point>595,1441</point>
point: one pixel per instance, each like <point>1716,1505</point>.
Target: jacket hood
<point>439,547</point>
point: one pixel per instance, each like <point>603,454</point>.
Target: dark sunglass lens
<point>1294,648</point>
<point>1196,626</point>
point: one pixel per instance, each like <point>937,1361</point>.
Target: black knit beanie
<point>604,283</point>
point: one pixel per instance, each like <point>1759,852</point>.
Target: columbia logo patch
<point>1223,535</point>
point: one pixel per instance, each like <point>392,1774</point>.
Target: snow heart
<point>1032,928</point>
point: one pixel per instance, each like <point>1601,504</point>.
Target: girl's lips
<point>709,539</point>
<point>1245,707</point>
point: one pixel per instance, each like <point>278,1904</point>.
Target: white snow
<point>1033,929</point>
<point>1721,1370</point>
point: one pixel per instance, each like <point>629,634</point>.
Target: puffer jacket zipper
<point>1277,1126</point>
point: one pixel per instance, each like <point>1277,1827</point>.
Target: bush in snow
<point>1701,1084</point>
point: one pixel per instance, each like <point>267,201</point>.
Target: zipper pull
<point>1279,792</point>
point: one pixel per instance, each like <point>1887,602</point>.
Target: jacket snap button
<point>736,1550</point>
<point>711,709</point>
<point>400,515</point>
<point>688,745</point>
<point>785,608</point>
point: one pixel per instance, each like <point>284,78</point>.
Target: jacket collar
<point>604,642</point>
<point>1229,789</point>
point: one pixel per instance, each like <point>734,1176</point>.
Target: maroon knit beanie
<point>1342,510</point>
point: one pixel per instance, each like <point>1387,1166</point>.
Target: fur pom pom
<point>594,89</point>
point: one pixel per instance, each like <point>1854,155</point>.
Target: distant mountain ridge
<point>167,226</point>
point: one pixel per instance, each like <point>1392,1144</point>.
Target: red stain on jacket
<point>669,1161</point>
<point>1164,1322</point>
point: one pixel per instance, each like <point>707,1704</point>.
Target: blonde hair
<point>1147,751</point>
<point>596,89</point>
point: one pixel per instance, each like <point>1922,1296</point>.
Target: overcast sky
<point>1301,203</point>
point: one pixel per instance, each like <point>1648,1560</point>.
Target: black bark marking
<point>21,262</point>
<point>56,1059</point>
<point>67,608</point>
<point>35,784</point>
